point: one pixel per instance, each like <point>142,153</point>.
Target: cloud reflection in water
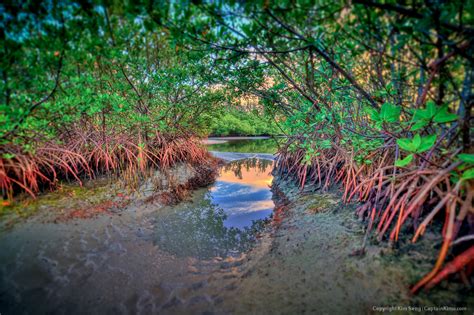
<point>242,190</point>
<point>222,219</point>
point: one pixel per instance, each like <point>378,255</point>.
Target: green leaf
<point>326,144</point>
<point>431,109</point>
<point>279,86</point>
<point>469,174</point>
<point>406,144</point>
<point>418,125</point>
<point>8,156</point>
<point>433,112</point>
<point>374,115</point>
<point>443,116</point>
<point>466,157</point>
<point>416,142</point>
<point>404,162</point>
<point>428,113</point>
<point>390,112</point>
<point>420,114</point>
<point>454,177</point>
<point>426,143</point>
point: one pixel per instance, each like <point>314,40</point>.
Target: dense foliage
<point>235,122</point>
<point>374,95</point>
<point>108,67</point>
<point>92,88</point>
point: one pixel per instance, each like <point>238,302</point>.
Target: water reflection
<point>252,167</point>
<point>269,145</point>
<point>223,219</point>
<point>242,189</point>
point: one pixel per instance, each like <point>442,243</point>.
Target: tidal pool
<point>223,219</point>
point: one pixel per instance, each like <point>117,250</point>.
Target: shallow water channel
<point>226,249</point>
<point>141,258</point>
<point>223,219</point>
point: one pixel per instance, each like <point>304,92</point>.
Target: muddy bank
<point>105,195</point>
<point>307,265</point>
<point>91,249</point>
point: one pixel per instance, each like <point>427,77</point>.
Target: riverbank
<point>267,145</point>
<point>105,194</point>
<point>308,263</point>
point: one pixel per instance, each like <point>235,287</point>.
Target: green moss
<point>316,202</point>
<point>67,196</point>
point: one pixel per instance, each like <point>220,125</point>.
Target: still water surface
<point>223,219</point>
<point>243,191</point>
<point>244,144</point>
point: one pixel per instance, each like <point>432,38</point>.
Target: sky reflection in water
<point>223,219</point>
<point>242,190</point>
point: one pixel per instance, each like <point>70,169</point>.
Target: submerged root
<point>281,205</point>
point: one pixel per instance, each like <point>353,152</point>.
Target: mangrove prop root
<point>84,154</point>
<point>456,265</point>
<point>392,197</point>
